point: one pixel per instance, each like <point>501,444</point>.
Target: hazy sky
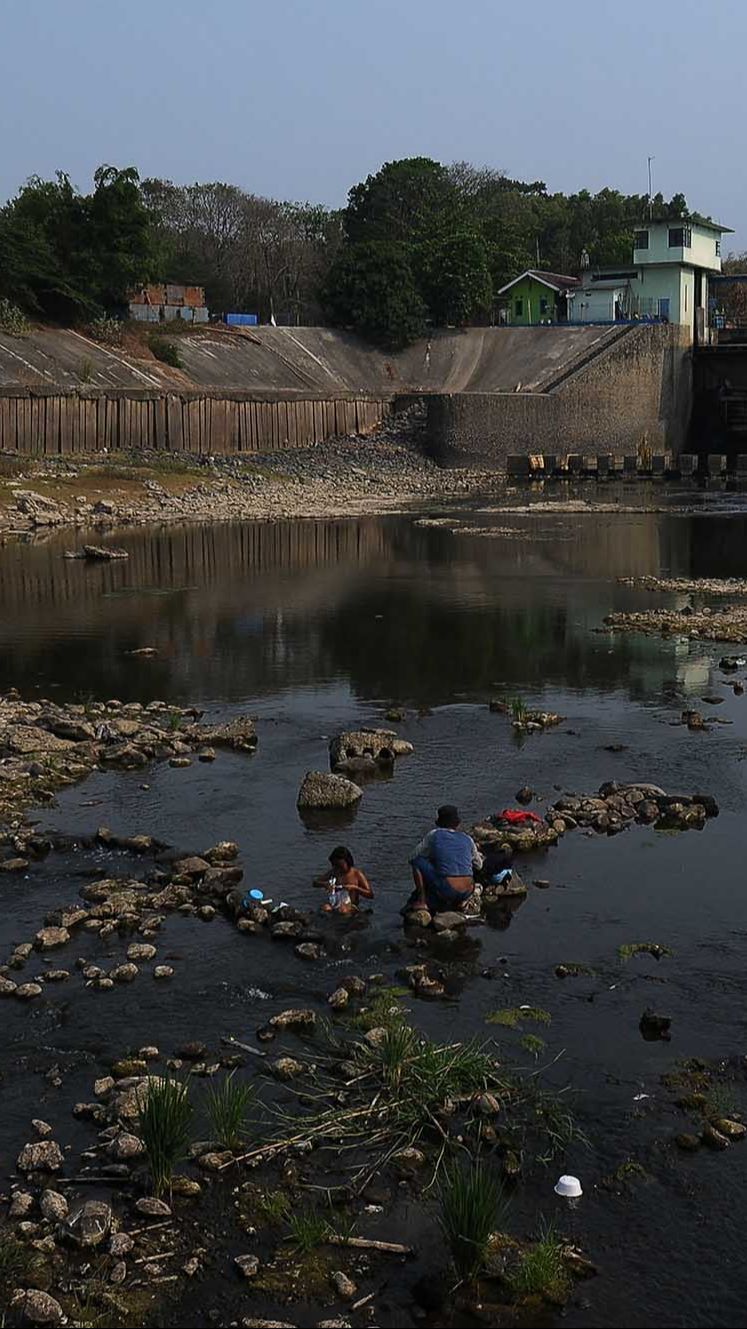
<point>300,99</point>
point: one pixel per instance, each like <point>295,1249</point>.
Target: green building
<point>537,297</point>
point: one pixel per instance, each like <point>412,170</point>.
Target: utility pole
<point>650,195</point>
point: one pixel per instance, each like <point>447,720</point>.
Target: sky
<point>300,99</point>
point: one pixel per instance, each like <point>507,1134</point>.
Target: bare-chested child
<point>345,884</point>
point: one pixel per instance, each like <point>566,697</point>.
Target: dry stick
<point>151,1227</point>
<point>363,1301</point>
<point>366,1244</point>
<point>157,1255</point>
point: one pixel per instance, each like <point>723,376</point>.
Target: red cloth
<point>517,817</point>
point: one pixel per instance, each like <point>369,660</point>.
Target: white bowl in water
<point>569,1187</point>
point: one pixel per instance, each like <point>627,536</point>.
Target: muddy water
<point>316,626</point>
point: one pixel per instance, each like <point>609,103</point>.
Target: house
<point>537,297</point>
<point>165,301</point>
<point>667,282</point>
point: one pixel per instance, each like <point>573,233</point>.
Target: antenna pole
<point>650,195</point>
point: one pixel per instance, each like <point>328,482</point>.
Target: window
<point>640,240</point>
<point>718,249</point>
<point>543,305</point>
<point>518,307</point>
<point>680,237</point>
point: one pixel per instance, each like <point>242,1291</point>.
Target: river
<point>316,626</point>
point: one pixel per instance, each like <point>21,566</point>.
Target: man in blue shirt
<point>444,864</point>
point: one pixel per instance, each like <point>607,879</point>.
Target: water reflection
<point>394,608</point>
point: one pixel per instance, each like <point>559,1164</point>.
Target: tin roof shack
<point>536,297</point>
<point>164,302</point>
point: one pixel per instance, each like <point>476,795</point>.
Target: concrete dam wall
<point>492,391</point>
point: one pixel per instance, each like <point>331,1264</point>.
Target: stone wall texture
<point>634,393</point>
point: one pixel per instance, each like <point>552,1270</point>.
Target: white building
<point>667,281</point>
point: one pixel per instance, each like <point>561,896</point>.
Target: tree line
<point>418,244</point>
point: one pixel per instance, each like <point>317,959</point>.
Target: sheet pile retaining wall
<point>77,422</point>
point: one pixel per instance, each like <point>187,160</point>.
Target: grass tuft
<point>631,948</point>
<point>532,1044</point>
<point>512,1017</point>
<point>307,1229</point>
<point>228,1106</point>
<point>541,1270</point>
<point>164,1127</point>
<point>472,1206</point>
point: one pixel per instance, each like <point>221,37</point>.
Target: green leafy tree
<point>371,288</point>
<point>455,279</point>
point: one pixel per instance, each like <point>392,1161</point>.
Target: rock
<point>99,553</point>
<point>7,987</point>
<point>163,971</point>
<point>206,912</point>
<point>421,918</point>
<point>118,1273</point>
<point>21,1204</point>
<point>192,1051</point>
<point>40,1156</point>
<point>287,931</point>
<point>447,920</point>
<point>121,1243</point>
<point>42,1128</point>
<point>376,1037</point>
<point>140,951</point>
<point>187,1187</point>
<point>151,1207</point>
<point>226,851</point>
<point>306,950</point>
<point>319,790</point>
<point>344,1286</point>
<point>733,1130</point>
<point>48,938</point>
<point>239,734</point>
<point>715,1139</point>
<point>293,1019</point>
<point>525,794</point>
<point>383,745</point>
<point>149,1053</point>
<point>206,754</point>
<point>654,1026</point>
<point>247,1265</point>
<point>54,1206</point>
<point>215,1160</point>
<point>39,1308</point>
<point>14,865</point>
<point>287,1068</point>
<point>125,1147</point>
<point>127,1067</point>
<point>338,999</point>
<point>409,1160</point>
<point>487,1105</point>
<point>688,1143</point>
<point>180,762</point>
<point>56,975</point>
<point>28,991</point>
<point>354,985</point>
<point>90,1225</point>
<point>103,1086</point>
<point>124,973</point>
<point>194,866</point>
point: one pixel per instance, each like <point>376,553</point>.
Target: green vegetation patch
<point>513,1017</point>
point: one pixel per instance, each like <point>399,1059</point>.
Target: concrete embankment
<point>492,391</point>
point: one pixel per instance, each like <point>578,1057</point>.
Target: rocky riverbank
<point>727,623</point>
<point>343,477</point>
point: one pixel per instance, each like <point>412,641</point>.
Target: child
<point>345,883</point>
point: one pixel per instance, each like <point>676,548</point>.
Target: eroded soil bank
<point>631,927</point>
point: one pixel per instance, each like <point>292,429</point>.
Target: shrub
<point>13,320</point>
<point>541,1271</point>
<point>165,351</point>
<point>165,1120</point>
<point>106,330</point>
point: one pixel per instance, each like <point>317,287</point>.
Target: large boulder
<point>40,1156</point>
<point>379,745</point>
<point>35,1307</point>
<point>319,790</point>
<point>90,1224</point>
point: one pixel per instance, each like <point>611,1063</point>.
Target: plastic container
<point>569,1187</point>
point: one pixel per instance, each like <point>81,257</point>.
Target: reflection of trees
<point>400,611</point>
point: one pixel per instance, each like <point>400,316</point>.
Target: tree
<point>455,281</point>
<point>67,255</point>
<point>403,203</point>
<point>371,288</point>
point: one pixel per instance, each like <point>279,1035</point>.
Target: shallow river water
<point>318,626</point>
